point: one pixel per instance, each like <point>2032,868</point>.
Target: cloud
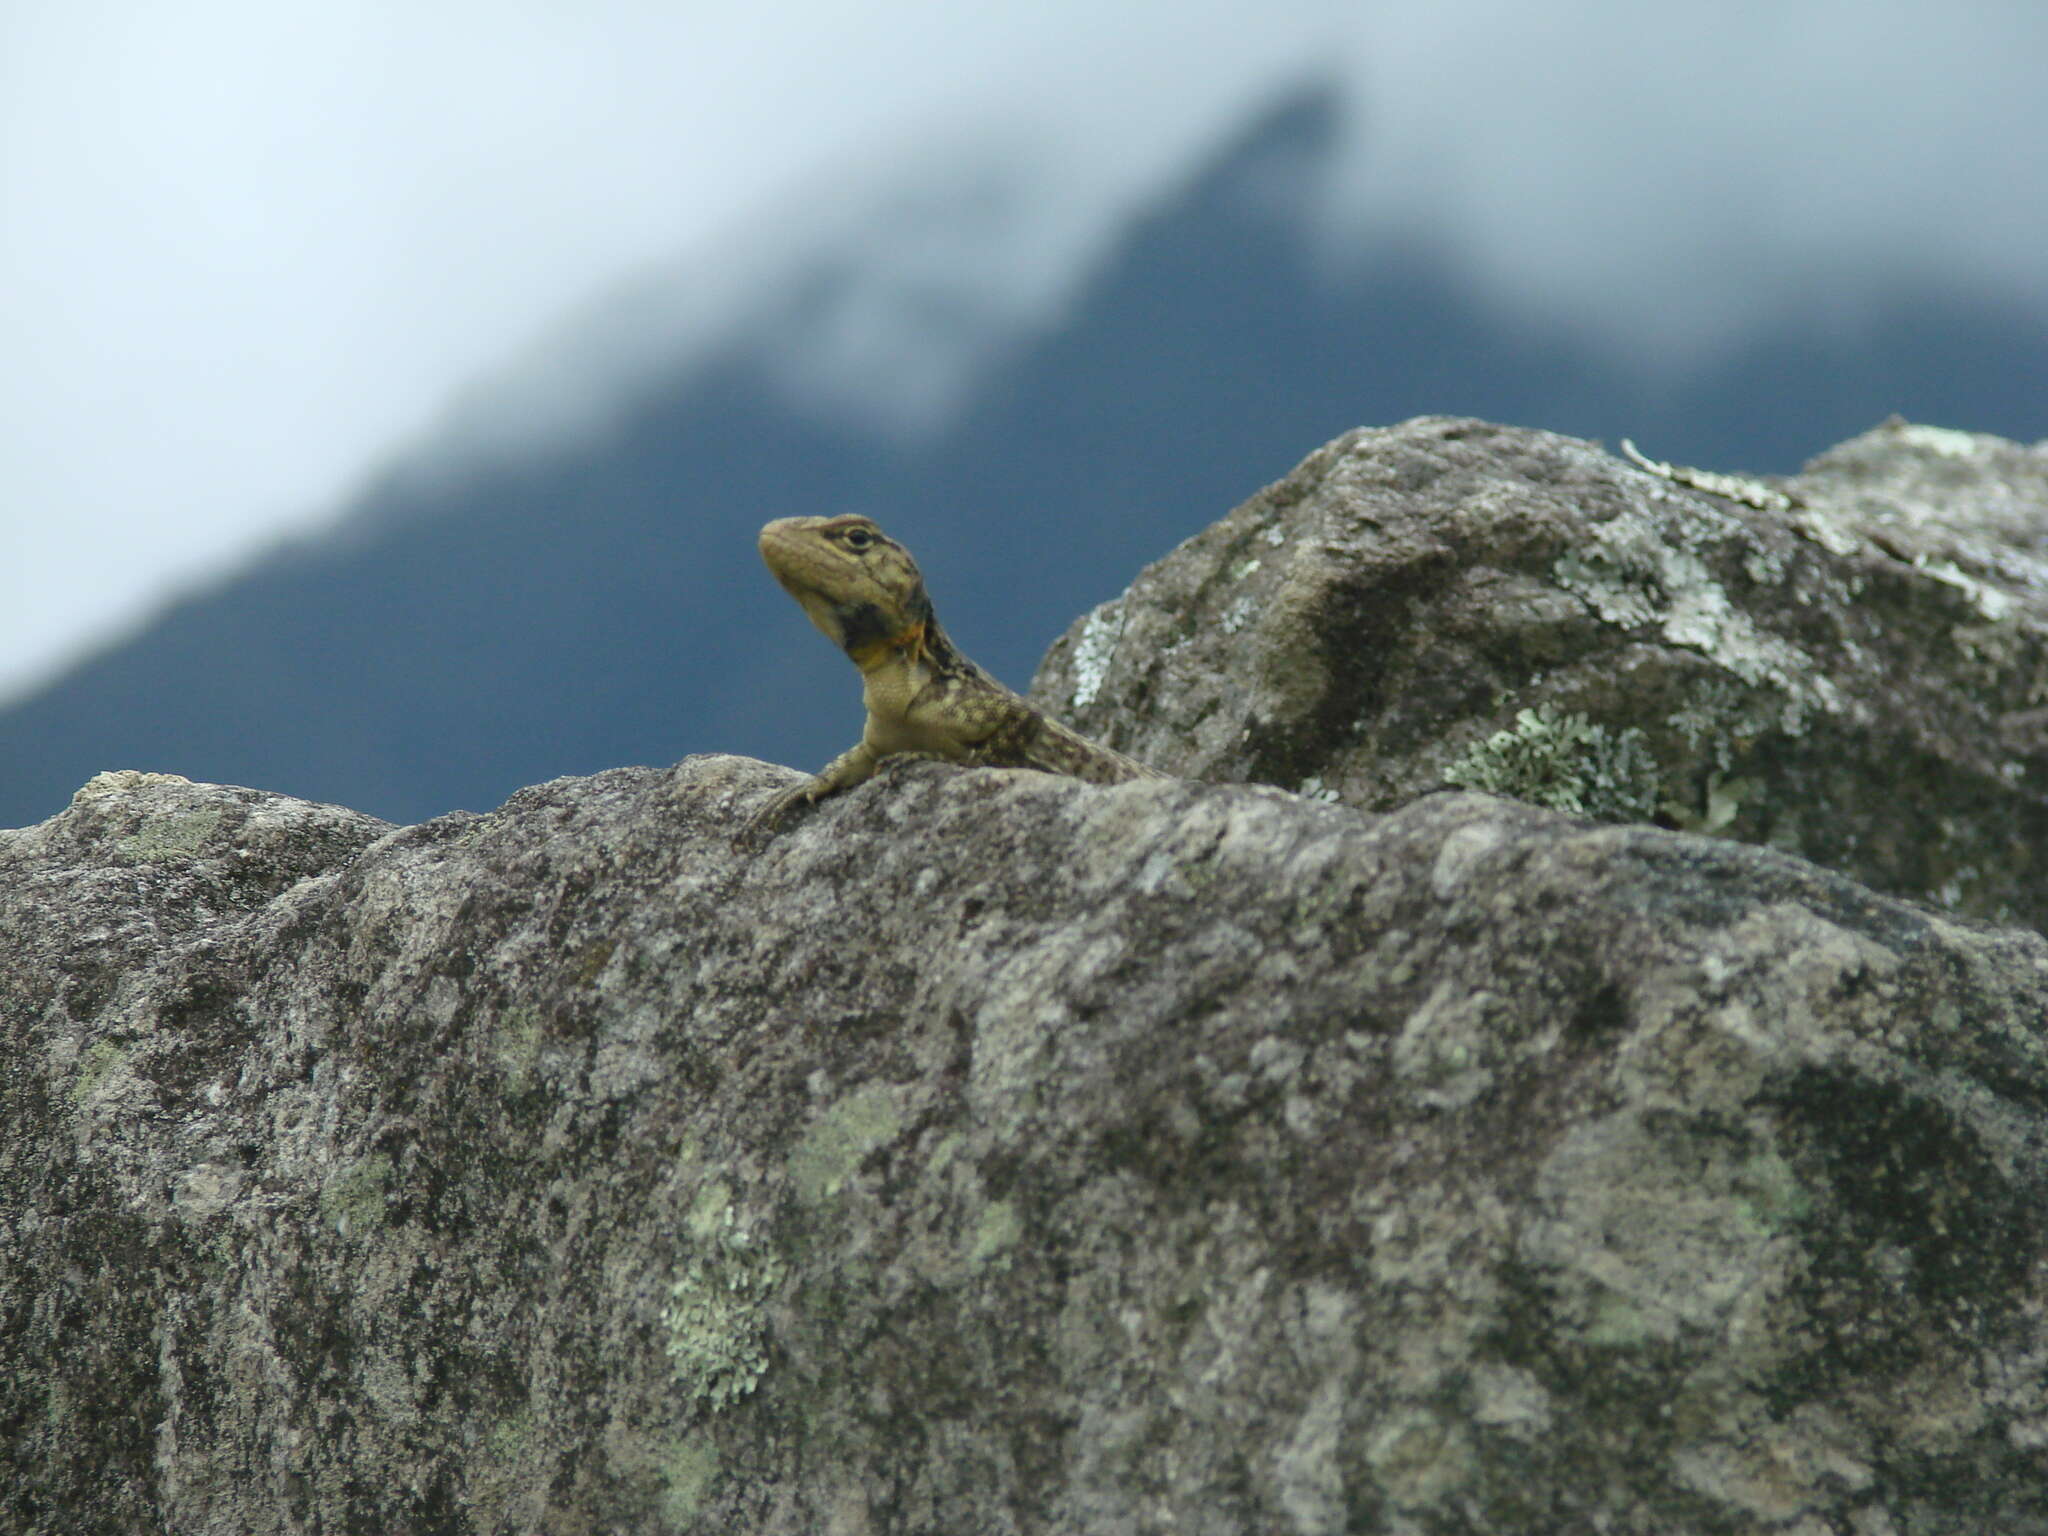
<point>1670,175</point>
<point>254,248</point>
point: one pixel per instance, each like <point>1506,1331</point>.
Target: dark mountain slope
<point>601,603</point>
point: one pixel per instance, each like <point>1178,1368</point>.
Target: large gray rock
<point>996,1153</point>
<point>1861,678</point>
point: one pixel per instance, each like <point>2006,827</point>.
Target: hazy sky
<point>253,248</point>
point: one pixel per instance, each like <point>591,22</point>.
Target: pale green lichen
<point>1418,1457</point>
<point>495,1475</point>
<point>176,836</point>
<point>1567,763</point>
<point>1724,802</point>
<point>944,1152</point>
<point>1771,1197</point>
<point>352,1199</point>
<point>506,1440</point>
<point>831,1151</point>
<point>100,1059</point>
<point>717,1328</point>
<point>687,1475</point>
<point>515,1046</point>
<point>388,1387</point>
<point>1619,1322</point>
<point>996,1233</point>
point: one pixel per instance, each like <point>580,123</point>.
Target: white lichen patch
<point>1095,649</point>
<point>1717,710</point>
<point>1238,614</point>
<point>1624,573</point>
<point>1764,566</point>
<point>122,781</point>
<point>711,1214</point>
<point>1943,442</point>
<point>1958,887</point>
<point>1987,600</point>
<point>1742,488</point>
<point>1830,533</point>
<point>1635,580</point>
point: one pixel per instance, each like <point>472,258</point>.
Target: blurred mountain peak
<point>527,595</point>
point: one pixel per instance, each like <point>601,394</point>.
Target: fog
<point>254,251</point>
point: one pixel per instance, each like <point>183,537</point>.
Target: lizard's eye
<point>858,539</point>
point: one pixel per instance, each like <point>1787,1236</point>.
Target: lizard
<point>924,697</point>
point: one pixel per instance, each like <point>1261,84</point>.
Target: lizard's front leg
<point>849,768</point>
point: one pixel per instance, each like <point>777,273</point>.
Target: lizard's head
<point>858,585</point>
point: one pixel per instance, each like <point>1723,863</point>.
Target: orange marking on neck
<point>911,640</point>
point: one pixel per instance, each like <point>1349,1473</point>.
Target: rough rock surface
<point>1861,679</point>
<point>995,1153</point>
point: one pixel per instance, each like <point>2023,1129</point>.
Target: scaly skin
<point>924,699</point>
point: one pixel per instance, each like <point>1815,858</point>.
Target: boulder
<point>1855,671</point>
<point>997,1153</point>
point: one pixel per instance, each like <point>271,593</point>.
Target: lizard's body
<point>923,697</point>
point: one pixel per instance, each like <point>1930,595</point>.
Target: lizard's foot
<point>780,807</point>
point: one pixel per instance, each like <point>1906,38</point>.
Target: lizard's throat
<point>905,645</point>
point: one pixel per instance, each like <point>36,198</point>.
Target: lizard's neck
<point>905,672</point>
<point>919,648</point>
